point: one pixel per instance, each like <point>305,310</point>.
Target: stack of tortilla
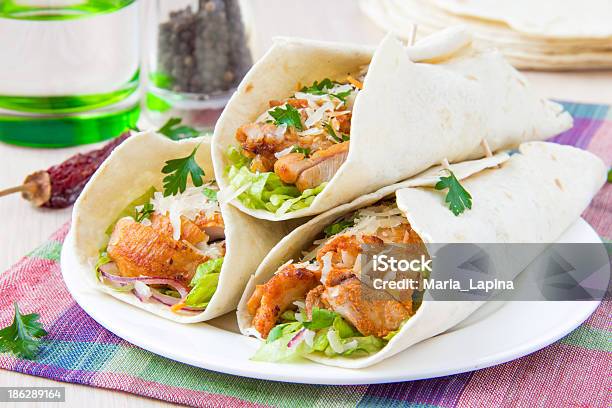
<point>539,35</point>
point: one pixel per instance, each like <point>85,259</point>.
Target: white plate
<point>496,333</point>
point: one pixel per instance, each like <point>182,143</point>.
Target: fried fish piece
<point>141,250</point>
<point>271,299</point>
<point>372,312</point>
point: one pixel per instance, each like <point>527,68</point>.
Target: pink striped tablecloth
<point>576,371</point>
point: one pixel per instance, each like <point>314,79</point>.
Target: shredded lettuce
<point>103,259</point>
<point>266,191</point>
<point>204,283</point>
<point>288,316</point>
<point>277,349</point>
<point>325,324</point>
<point>321,318</point>
<point>130,209</point>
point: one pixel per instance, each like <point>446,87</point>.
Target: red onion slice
<point>297,339</point>
<point>121,282</point>
<point>165,299</point>
<point>179,287</point>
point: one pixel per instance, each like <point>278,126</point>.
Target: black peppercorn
<point>204,51</point>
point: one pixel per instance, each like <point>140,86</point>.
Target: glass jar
<point>69,71</point>
<point>199,51</point>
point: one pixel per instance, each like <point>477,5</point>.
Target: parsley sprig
<point>304,150</point>
<point>22,338</point>
<point>173,130</point>
<point>457,197</point>
<point>323,88</point>
<point>288,116</point>
<point>332,133</point>
<point>178,171</point>
<point>145,212</point>
<point>318,88</point>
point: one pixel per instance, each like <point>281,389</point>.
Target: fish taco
<point>309,297</point>
<point>314,125</point>
<point>149,230</point>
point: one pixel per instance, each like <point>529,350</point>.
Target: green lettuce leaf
<point>103,259</point>
<point>276,349</point>
<point>130,209</point>
<point>266,191</point>
<point>344,329</point>
<point>204,283</point>
<point>321,318</point>
<point>365,344</point>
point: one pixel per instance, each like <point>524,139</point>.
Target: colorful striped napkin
<point>576,371</point>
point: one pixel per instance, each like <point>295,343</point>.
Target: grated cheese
<point>187,204</point>
<point>317,115</point>
<point>311,132</point>
<point>283,152</point>
<point>212,251</point>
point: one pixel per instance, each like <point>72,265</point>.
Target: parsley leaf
<point>323,88</point>
<point>342,95</point>
<point>318,88</point>
<point>178,170</point>
<point>332,133</point>
<point>304,150</point>
<point>172,130</point>
<point>288,116</point>
<point>338,227</point>
<point>145,212</point>
<point>458,198</point>
<point>23,336</point>
<point>210,194</point>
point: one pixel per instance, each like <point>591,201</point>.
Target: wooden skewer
<point>487,149</point>
<point>445,164</point>
<point>413,33</point>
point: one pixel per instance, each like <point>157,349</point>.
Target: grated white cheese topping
<point>316,116</point>
<point>283,152</point>
<point>213,250</point>
<point>187,204</point>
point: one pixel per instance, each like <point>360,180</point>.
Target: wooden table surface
<point>24,227</point>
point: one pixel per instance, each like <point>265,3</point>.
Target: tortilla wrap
<point>531,198</point>
<point>525,52</point>
<point>423,112</point>
<point>542,18</point>
<point>130,170</point>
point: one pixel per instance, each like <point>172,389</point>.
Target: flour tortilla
<point>542,18</point>
<point>409,116</point>
<point>530,198</point>
<point>129,171</point>
<point>522,51</point>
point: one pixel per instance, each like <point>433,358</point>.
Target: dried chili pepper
<point>59,186</point>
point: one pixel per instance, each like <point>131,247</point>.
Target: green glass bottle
<point>69,70</point>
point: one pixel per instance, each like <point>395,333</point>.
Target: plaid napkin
<point>576,371</point>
